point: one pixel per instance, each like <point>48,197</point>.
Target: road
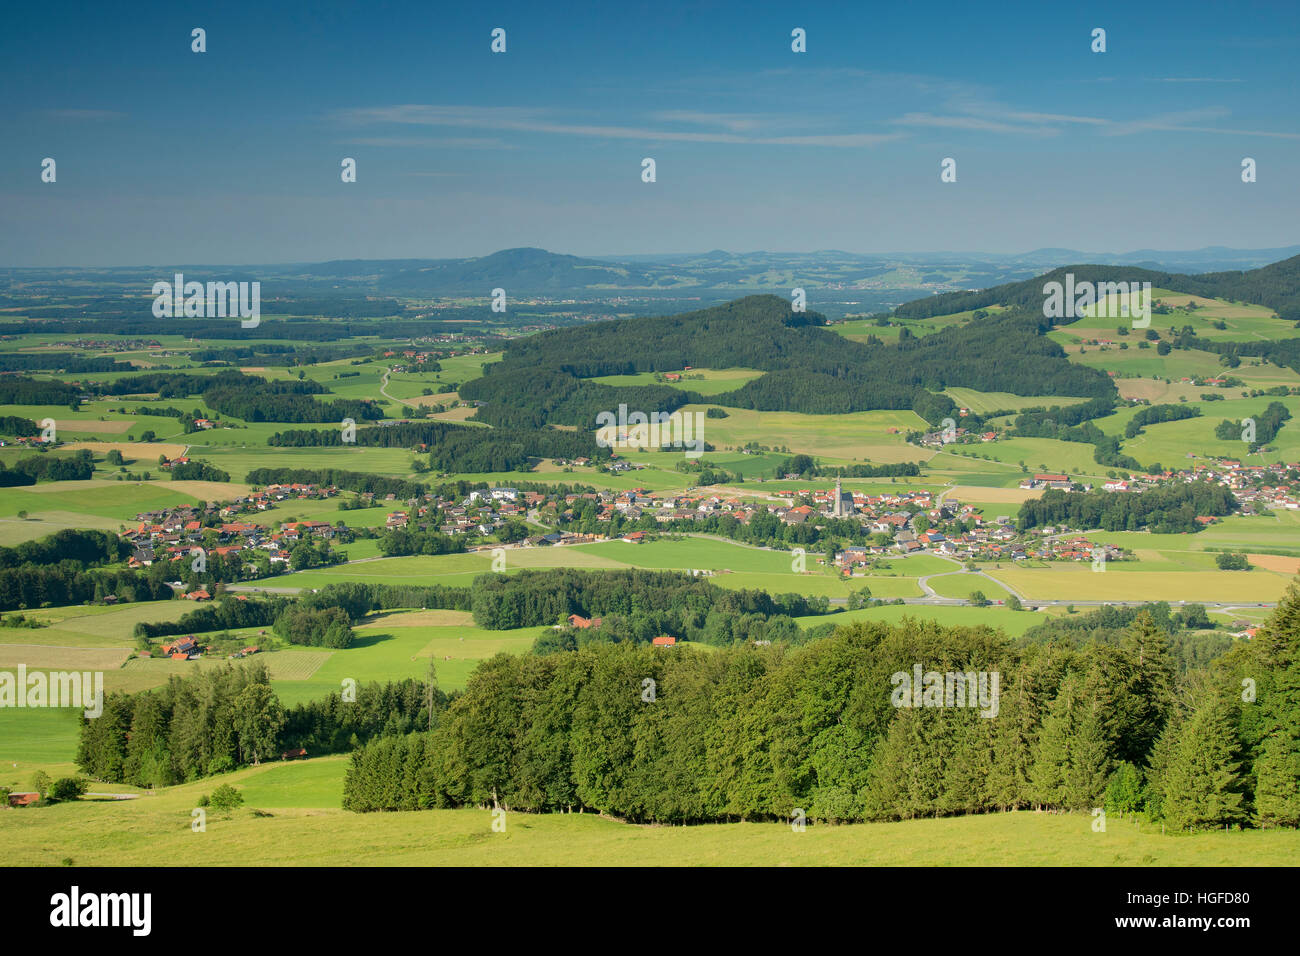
<point>383,387</point>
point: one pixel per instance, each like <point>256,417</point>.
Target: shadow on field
<point>367,639</point>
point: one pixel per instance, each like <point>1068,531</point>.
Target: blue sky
<point>233,155</point>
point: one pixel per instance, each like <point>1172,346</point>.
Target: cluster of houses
<point>1256,487</point>
<point>176,532</point>
<point>1048,480</point>
<point>483,511</point>
<point>188,648</point>
<point>578,622</point>
<point>33,441</point>
<point>1217,381</point>
<point>999,541</point>
<point>106,345</point>
<point>413,356</point>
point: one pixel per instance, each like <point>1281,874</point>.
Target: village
<point>904,522</point>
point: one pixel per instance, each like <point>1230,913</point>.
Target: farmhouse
<point>1047,481</point>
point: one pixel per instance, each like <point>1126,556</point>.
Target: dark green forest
<point>754,733</point>
<point>1276,285</point>
<point>546,377</point>
<point>1167,509</point>
<point>452,447</point>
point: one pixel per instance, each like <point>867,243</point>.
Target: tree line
<point>1165,509</point>
<point>198,471</point>
<point>1155,414</point>
<point>760,733</point>
<point>533,597</point>
<point>47,467</point>
<point>453,447</point>
<point>1266,425</point>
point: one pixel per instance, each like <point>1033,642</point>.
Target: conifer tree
<point>1124,791</point>
<point>1052,756</point>
<point>1277,788</point>
<point>1277,767</point>
<point>1202,784</point>
<point>1146,695</point>
<point>1089,762</point>
<point>904,783</point>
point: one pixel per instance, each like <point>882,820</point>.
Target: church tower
<point>838,510</point>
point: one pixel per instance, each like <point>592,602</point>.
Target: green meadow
<point>1242,322</point>
<point>876,436</point>
<point>705,381</point>
<point>982,403</point>
<point>291,817</point>
<point>1013,623</point>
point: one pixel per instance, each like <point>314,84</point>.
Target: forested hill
<point>532,269</point>
<point>1276,286</point>
<point>545,378</point>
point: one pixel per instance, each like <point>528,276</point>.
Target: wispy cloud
<point>736,123</point>
<point>734,128</point>
<point>966,122</point>
<point>432,142</point>
<point>83,115</point>
<point>1185,121</point>
<point>998,119</point>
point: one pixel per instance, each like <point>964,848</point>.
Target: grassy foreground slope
<point>299,826</point>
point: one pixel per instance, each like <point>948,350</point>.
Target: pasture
<point>297,827</point>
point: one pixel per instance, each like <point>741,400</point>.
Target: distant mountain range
<point>840,281</point>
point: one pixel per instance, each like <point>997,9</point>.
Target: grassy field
<point>36,739</point>
<point>297,823</point>
<point>1038,454</point>
<point>981,403</point>
<point>1243,322</point>
<point>860,330</point>
<point>857,435</point>
<point>1122,581</point>
<point>1170,442</point>
<point>1278,531</point>
<point>705,381</point>
<point>387,652</point>
<point>1178,364</point>
<point>1013,623</point>
<point>735,566</point>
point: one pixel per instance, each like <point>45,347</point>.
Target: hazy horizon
<point>233,155</point>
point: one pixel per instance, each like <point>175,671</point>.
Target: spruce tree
<point>1089,762</point>
<point>1203,785</point>
<point>1277,788</point>
<point>1052,756</point>
<point>1146,696</point>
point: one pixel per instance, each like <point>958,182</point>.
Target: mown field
<point>705,381</point>
<point>855,436</point>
